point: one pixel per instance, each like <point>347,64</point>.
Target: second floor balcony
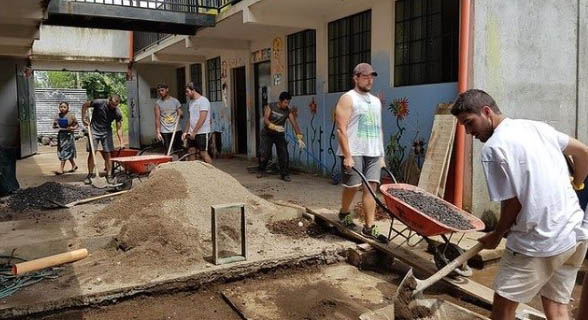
<point>162,16</point>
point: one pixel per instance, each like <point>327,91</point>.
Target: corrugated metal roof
<point>47,103</point>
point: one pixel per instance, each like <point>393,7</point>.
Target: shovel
<point>75,203</point>
<point>410,283</point>
<point>173,137</point>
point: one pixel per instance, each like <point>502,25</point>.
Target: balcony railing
<point>143,40</point>
<point>190,6</point>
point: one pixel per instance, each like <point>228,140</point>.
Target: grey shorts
<point>101,144</point>
<point>369,166</point>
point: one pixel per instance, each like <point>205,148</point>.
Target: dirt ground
<point>51,226</point>
<point>320,292</point>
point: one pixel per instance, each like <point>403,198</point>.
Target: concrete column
<point>582,116</point>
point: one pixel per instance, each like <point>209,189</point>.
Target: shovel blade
<point>409,288</point>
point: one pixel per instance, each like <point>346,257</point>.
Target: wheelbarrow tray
<point>141,164</point>
<point>419,221</point>
<point>124,152</point>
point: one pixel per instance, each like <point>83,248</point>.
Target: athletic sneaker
<point>347,220</point>
<point>373,233</point>
<point>110,180</point>
<point>89,178</point>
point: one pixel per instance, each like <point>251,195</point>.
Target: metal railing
<point>191,6</point>
<point>143,40</point>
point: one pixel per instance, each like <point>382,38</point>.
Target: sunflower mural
<point>395,151</point>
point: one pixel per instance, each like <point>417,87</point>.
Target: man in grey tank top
<point>361,145</point>
<point>168,112</point>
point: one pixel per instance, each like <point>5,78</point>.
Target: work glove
<point>301,144</point>
<point>276,128</point>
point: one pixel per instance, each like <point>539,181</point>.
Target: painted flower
<point>418,147</point>
<point>400,108</point>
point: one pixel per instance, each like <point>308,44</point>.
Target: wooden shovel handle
<point>108,195</point>
<point>50,261</point>
<point>450,267</point>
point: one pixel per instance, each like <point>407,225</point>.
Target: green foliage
<point>55,79</point>
<point>97,84</point>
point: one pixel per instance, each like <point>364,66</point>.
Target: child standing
<point>66,142</point>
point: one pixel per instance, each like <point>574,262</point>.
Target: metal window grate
<point>195,6</point>
<point>181,84</point>
<point>426,41</point>
<point>196,75</point>
<point>213,79</point>
<point>349,44</point>
<point>302,63</point>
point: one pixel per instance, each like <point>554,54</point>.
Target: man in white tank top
<point>361,145</point>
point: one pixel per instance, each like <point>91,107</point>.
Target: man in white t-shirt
<point>198,126</point>
<point>540,213</point>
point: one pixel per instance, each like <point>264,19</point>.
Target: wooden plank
<point>441,192</point>
<point>417,262</point>
<point>434,171</point>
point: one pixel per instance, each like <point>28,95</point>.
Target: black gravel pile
<point>432,207</point>
<point>38,197</point>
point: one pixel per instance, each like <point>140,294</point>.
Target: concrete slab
<point>337,292</point>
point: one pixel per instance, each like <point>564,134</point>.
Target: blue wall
<point>422,102</point>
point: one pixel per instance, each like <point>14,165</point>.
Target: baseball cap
<point>364,69</point>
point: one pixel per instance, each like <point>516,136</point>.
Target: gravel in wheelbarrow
<point>433,207</point>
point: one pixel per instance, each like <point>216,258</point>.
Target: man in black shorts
<point>104,111</point>
<point>197,129</point>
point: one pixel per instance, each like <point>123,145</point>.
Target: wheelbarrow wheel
<point>125,183</point>
<point>445,253</point>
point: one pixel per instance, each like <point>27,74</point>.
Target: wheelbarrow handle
<point>367,184</point>
<point>390,174</point>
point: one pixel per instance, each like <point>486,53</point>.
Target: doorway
<point>262,73</point>
<point>240,110</point>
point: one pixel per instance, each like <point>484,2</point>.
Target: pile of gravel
<point>38,197</point>
<point>167,217</point>
<point>433,207</point>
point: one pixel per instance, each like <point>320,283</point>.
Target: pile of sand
<point>169,214</point>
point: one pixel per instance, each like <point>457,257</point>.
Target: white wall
<point>78,43</point>
<point>81,49</point>
<point>149,76</point>
<point>525,56</point>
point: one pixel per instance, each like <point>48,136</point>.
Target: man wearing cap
<point>358,115</point>
<point>273,132</point>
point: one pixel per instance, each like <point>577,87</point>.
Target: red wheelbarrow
<point>137,166</point>
<point>423,225</point>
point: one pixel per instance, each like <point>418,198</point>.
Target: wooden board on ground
<point>434,172</point>
<point>441,310</point>
<point>417,262</point>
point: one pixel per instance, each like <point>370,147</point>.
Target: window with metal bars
<point>426,41</point>
<point>196,75</point>
<point>213,79</point>
<point>302,63</point>
<point>349,44</point>
<point>181,83</point>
